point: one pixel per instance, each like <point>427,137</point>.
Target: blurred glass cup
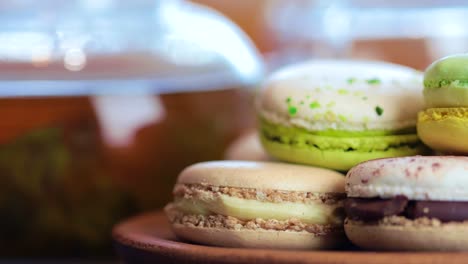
<point>412,33</point>
<point>103,102</point>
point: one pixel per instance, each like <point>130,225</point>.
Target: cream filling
<point>245,209</point>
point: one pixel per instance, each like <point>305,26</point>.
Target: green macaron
<point>336,114</point>
<point>443,126</point>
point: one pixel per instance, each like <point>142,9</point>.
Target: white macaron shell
<point>437,178</point>
<point>343,95</point>
<point>264,176</point>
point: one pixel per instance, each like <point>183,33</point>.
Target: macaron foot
<point>336,152</point>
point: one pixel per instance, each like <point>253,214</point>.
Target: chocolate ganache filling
<point>373,209</point>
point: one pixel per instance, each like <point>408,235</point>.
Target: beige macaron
<point>247,147</point>
<point>258,205</point>
<point>411,203</point>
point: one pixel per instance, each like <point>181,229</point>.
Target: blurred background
<point>412,33</point>
<point>104,102</point>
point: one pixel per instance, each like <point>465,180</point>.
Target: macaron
<point>258,205</point>
<point>415,203</point>
<point>443,126</point>
<point>247,147</point>
<point>338,113</point>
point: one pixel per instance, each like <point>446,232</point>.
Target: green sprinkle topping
<point>292,110</point>
<point>308,97</point>
<point>301,102</point>
<point>314,104</point>
<point>342,91</point>
<point>288,100</point>
<point>364,98</point>
<point>379,110</point>
<point>342,117</point>
<point>351,80</point>
<point>373,81</point>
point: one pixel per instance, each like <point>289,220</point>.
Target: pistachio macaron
<point>443,126</point>
<point>258,205</point>
<point>337,113</point>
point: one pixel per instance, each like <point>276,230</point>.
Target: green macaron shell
<point>444,71</point>
<point>446,82</point>
<point>335,152</point>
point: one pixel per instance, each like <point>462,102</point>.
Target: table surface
<point>148,238</point>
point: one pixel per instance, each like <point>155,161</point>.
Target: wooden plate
<point>148,239</point>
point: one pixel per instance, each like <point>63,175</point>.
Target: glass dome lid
<point>86,47</point>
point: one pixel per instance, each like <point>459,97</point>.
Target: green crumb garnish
<point>288,100</point>
<point>351,80</point>
<point>364,98</point>
<point>301,102</point>
<point>292,110</point>
<point>308,97</point>
<point>342,91</point>
<point>314,105</point>
<point>342,117</point>
<point>373,81</point>
<point>379,110</point>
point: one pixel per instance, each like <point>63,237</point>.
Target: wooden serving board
<point>148,239</point>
